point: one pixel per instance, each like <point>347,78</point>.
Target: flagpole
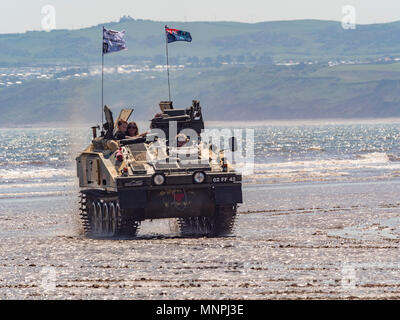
<point>166,49</point>
<point>102,88</point>
<point>102,82</point>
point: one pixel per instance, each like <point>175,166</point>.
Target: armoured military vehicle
<point>124,182</point>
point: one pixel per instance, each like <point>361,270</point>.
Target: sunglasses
<point>132,127</point>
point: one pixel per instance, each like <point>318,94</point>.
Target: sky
<point>21,15</point>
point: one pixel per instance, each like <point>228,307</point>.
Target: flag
<point>113,41</point>
<point>177,35</point>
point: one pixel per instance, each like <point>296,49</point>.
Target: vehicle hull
<point>177,201</point>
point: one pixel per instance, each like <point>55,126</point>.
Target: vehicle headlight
<point>199,177</point>
<point>158,179</point>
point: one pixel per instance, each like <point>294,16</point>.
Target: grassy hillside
<point>301,39</point>
<point>228,93</point>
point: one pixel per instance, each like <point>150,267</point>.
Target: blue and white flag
<point>113,41</point>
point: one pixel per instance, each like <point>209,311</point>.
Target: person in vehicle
<point>181,140</point>
<point>133,131</point>
<point>121,132</point>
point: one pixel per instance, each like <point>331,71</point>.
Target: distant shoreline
<point>212,123</point>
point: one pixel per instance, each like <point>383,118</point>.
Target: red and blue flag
<point>177,35</point>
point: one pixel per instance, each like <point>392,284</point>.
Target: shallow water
<point>36,158</point>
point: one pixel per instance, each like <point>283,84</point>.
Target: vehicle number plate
<point>223,179</point>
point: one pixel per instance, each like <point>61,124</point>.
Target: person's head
<point>181,139</point>
<point>122,125</point>
<point>157,115</point>
<point>132,129</point>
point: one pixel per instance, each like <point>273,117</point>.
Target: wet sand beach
<point>300,241</point>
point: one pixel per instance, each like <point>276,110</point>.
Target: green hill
<point>227,93</point>
<point>299,39</point>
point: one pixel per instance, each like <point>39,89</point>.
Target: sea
<point>40,162</point>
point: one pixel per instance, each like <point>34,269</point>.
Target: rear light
<point>124,171</point>
<point>119,156</point>
<point>224,165</point>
